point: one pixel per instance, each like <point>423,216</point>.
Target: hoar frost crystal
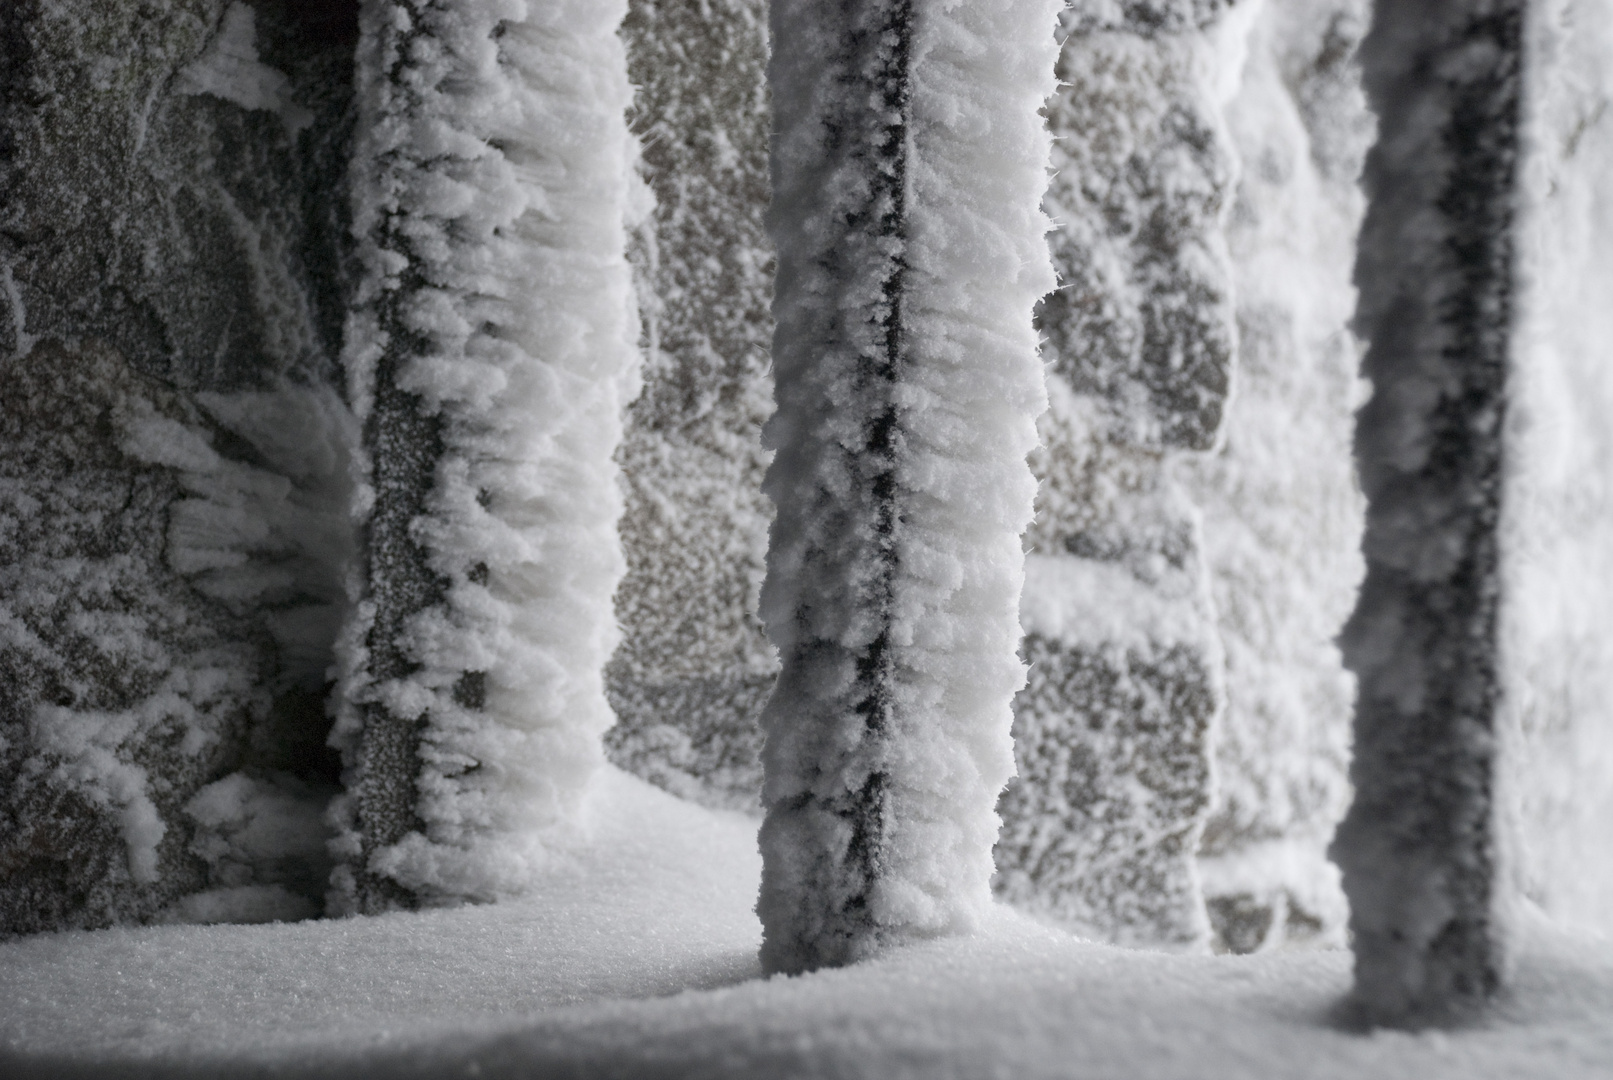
<point>908,167</point>
<point>489,355</point>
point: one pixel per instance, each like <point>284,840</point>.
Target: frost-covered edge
<point>494,324</point>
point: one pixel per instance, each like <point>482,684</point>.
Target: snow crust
<point>636,958</point>
<point>496,308</point>
<point>911,252</point>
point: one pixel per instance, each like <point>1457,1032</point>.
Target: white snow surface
<point>636,957</point>
<point>500,148</point>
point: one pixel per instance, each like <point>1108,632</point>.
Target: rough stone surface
<point>170,267</point>
<point>1112,734</point>
<point>107,730</point>
<point>693,669</point>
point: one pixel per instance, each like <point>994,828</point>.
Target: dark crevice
<point>880,56</point>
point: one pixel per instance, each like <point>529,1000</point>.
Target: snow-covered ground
<point>636,957</point>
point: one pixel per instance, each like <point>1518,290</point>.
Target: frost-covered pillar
<point>1435,273</point>
<point>489,352</point>
<point>694,668</point>
<point>1282,514</point>
<point>1112,733</point>
<point>908,166</point>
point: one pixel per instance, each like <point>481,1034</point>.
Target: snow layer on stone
<point>1142,321</point>
<point>1113,731</point>
<point>146,581</point>
<point>637,958</point>
<point>1092,602</point>
<point>1282,515</point>
<point>493,164</point>
<point>911,252</point>
<point>1557,525</point>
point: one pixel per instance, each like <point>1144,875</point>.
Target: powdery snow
<point>637,958</point>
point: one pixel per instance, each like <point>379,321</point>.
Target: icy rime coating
<point>1112,732</point>
<point>1435,272</point>
<point>173,483</point>
<point>908,161</point>
<point>488,356</point>
<point>1282,517</point>
<point>1557,783</point>
<point>693,669</point>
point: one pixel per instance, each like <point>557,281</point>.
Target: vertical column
<point>908,164</point>
<point>489,353</point>
<point>1112,733</point>
<point>1435,273</point>
<point>694,668</point>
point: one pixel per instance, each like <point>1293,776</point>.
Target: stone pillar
<point>489,353</point>
<point>1436,272</point>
